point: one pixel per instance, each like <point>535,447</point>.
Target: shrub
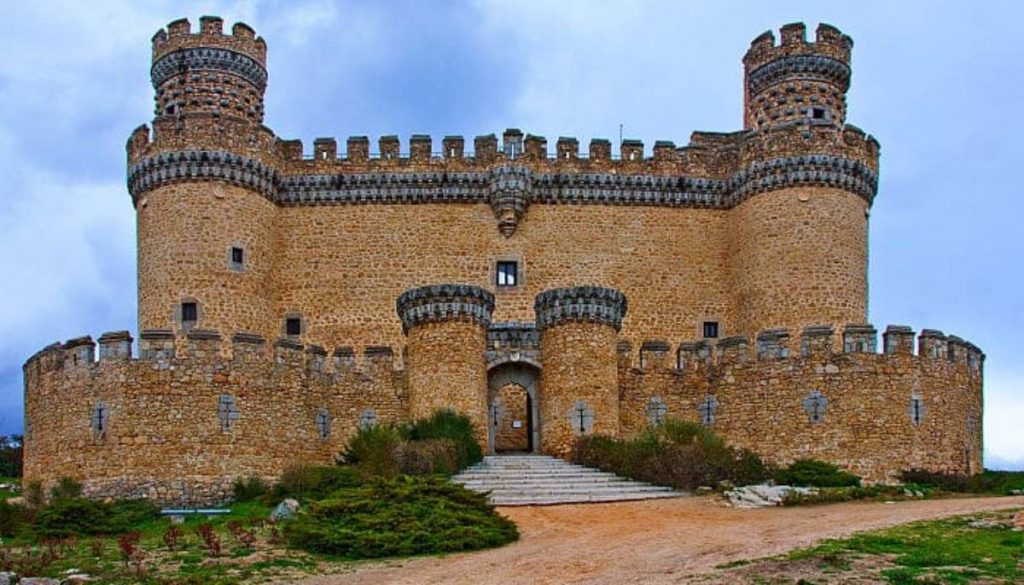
<point>679,454</point>
<point>815,473</point>
<point>247,490</point>
<point>374,451</point>
<point>988,482</point>
<point>405,516</point>
<point>66,489</point>
<point>305,482</point>
<point>11,519</point>
<point>430,456</point>
<point>447,424</point>
<point>81,517</point>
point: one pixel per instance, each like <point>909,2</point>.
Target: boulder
<point>8,578</point>
<point>78,579</point>
<point>285,510</point>
<point>763,496</point>
<point>39,581</point>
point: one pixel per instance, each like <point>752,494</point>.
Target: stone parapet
<point>445,302</point>
<point>591,304</point>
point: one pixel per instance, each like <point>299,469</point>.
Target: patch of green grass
<point>942,551</point>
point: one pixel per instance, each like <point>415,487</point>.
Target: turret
<point>796,81</point>
<point>202,184</point>
<point>208,71</point>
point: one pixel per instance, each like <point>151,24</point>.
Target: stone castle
<point>286,299</point>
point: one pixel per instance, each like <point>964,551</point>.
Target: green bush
<point>77,516</point>
<point>679,454</point>
<point>988,482</point>
<point>401,517</point>
<point>11,519</point>
<point>447,424</point>
<point>66,489</point>
<point>374,451</point>
<point>428,457</point>
<point>815,473</point>
<point>306,482</point>
<point>247,490</point>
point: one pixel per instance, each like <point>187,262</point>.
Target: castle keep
<point>287,298</point>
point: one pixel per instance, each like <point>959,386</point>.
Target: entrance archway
<point>513,423</point>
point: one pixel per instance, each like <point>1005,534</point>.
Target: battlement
<point>162,349</point>
<point>829,42</point>
<point>814,342</point>
<point>179,35</point>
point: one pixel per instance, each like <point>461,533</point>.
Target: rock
<point>1018,521</point>
<point>78,579</point>
<point>285,510</point>
<point>39,581</point>
<point>8,578</point>
<point>725,484</point>
<point>763,496</point>
<point>702,490</point>
<point>984,524</point>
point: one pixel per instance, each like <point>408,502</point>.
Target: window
<point>916,410</point>
<point>237,255</point>
<point>293,326</point>
<point>189,313</point>
<point>710,329</point>
<point>818,113</point>
<point>100,416</point>
<point>508,274</point>
<point>323,423</point>
<point>227,412</point>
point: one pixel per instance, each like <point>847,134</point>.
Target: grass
<point>950,551</point>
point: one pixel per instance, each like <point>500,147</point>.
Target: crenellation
<point>898,339</point>
<point>325,149</point>
<point>731,351</point>
<point>653,353</point>
<point>157,345</point>
<point>211,25</point>
<point>316,358</point>
<point>453,147</point>
<point>288,352</point>
<point>115,345</point>
<point>956,350</point>
<point>817,341</point>
<point>81,349</point>
<point>203,345</point>
<point>357,149</point>
<point>631,151</point>
<point>420,148</point>
<point>665,151</point>
<point>860,338</point>
<point>773,344</point>
<point>343,359</point>
<point>567,149</point>
<point>485,148</point>
<point>932,344</point>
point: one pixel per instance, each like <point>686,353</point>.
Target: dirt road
<point>657,541</point>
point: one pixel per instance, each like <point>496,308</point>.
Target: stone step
<point>523,480</point>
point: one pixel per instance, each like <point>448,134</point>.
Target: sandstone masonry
<point>287,298</point>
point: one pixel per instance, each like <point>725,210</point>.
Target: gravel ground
<point>656,541</point>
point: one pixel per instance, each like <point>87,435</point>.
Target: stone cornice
<point>208,58</point>
<point>588,304</point>
<point>799,66</point>
<point>508,193</point>
<point>444,302</point>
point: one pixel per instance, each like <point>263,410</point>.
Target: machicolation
<point>288,298</point>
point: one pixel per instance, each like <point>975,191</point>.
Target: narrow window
<point>189,313</point>
<point>916,410</point>
<point>710,329</point>
<point>293,326</point>
<point>323,423</point>
<point>507,274</point>
<point>818,114</point>
<point>99,418</point>
<point>237,255</point>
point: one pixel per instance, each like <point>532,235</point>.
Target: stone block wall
<point>874,414</point>
<point>181,422</point>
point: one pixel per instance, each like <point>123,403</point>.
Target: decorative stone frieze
<point>201,165</point>
<point>509,195</point>
<point>592,304</point>
<point>795,67</point>
<point>183,61</point>
<point>445,302</point>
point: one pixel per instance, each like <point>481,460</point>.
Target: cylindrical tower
<point>796,80</point>
<point>579,381</point>
<point>446,326</point>
<point>798,239</point>
<point>203,186</point>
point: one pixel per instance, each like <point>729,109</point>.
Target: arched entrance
<point>513,423</point>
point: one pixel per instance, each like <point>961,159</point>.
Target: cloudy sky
<point>940,84</point>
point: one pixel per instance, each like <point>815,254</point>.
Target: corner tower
<point>796,80</point>
<point>203,184</point>
<point>798,244</point>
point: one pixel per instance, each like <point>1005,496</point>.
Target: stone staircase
<point>539,480</point>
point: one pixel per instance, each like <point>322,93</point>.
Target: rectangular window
<point>293,326</point>
<point>507,274</point>
<point>189,312</point>
<point>710,329</point>
<point>237,255</point>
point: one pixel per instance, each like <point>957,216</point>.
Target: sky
<point>940,84</point>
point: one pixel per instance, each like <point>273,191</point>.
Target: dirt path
<point>657,541</point>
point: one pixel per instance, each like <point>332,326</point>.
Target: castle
<point>286,299</point>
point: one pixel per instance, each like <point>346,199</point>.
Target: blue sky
<point>940,84</point>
